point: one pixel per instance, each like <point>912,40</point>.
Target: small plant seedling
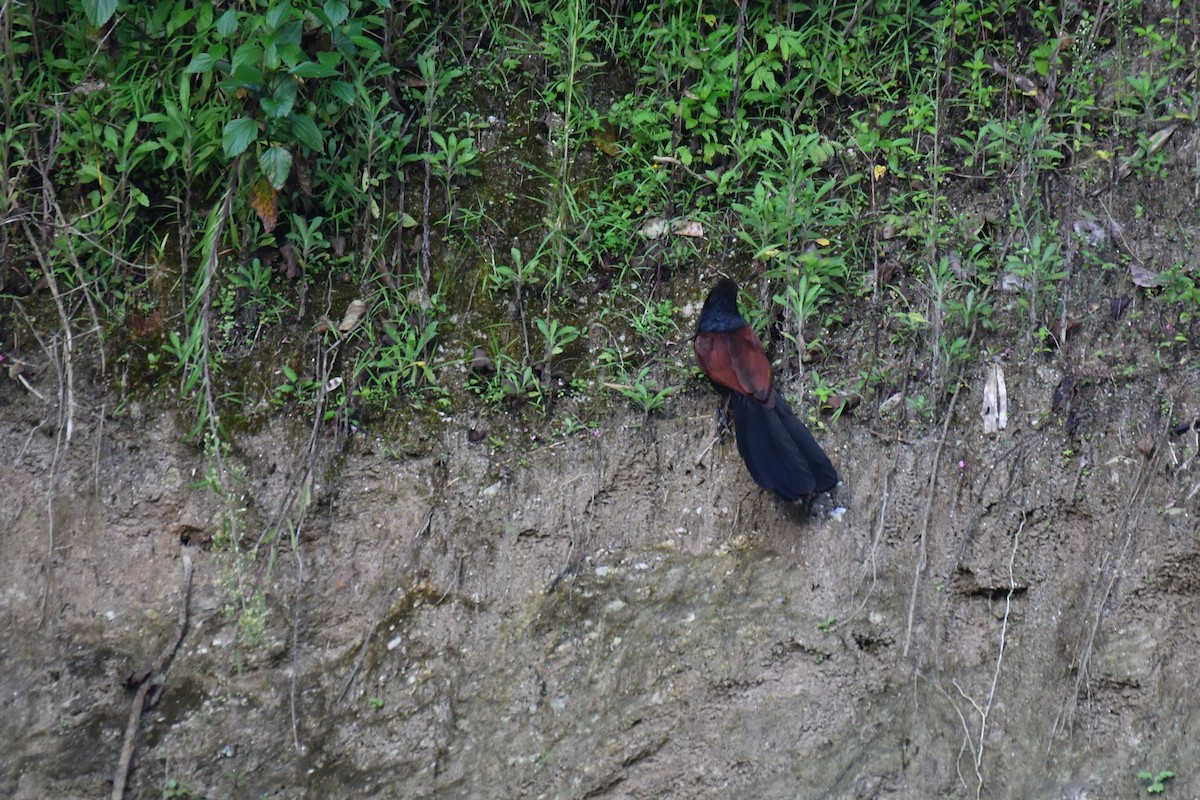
<point>1155,780</point>
<point>642,392</point>
<point>178,790</point>
<point>828,626</point>
<point>376,703</point>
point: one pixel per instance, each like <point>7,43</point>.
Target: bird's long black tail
<point>779,452</point>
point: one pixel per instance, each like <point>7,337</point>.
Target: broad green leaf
<point>343,91</point>
<point>277,14</point>
<point>307,132</point>
<point>239,134</point>
<point>292,55</point>
<point>280,104</point>
<point>310,69</point>
<point>99,11</point>
<point>247,76</point>
<point>290,34</point>
<point>227,23</point>
<point>276,164</point>
<point>249,54</point>
<point>277,109</point>
<point>336,11</point>
<point>203,62</point>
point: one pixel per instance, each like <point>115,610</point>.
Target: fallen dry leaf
<point>354,314</point>
<point>653,228</point>
<point>1143,277</point>
<point>264,201</point>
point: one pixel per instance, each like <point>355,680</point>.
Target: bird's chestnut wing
<point>735,360</point>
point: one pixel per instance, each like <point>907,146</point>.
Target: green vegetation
<point>1155,781</point>
<point>326,208</point>
<point>175,789</point>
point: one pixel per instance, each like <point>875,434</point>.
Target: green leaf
<point>311,69</point>
<point>280,104</point>
<point>337,12</point>
<point>307,132</point>
<point>291,34</point>
<point>277,15</point>
<point>239,134</point>
<point>343,91</point>
<point>245,76</point>
<point>99,11</point>
<point>146,147</point>
<point>276,109</point>
<point>271,58</point>
<point>276,164</point>
<point>227,23</point>
<point>203,62</point>
<point>248,54</point>
<point>291,54</point>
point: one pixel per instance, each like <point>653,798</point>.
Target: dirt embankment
<point>1027,627</point>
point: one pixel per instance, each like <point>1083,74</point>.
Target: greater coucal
<point>778,450</point>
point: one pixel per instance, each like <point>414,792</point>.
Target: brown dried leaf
<point>1143,277</point>
<point>291,260</point>
<point>300,170</point>
<point>264,200</point>
<point>354,314</point>
<point>690,228</point>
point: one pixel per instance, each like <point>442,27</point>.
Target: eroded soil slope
<point>622,615</point>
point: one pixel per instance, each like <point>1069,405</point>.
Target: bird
<point>780,453</point>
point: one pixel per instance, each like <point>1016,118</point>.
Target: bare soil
<point>624,615</point>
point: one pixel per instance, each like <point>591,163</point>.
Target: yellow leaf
<point>880,170</point>
<point>823,242</point>
<point>605,140</point>
<point>263,199</point>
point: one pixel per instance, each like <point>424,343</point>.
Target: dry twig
<point>151,678</point>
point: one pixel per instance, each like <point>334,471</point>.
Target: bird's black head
<point>720,312</point>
